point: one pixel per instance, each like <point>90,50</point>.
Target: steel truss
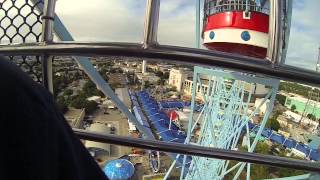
<point>224,119</point>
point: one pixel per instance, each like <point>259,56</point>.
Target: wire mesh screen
<point>20,22</point>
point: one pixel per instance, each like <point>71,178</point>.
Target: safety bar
<point>170,54</point>
<point>194,150</point>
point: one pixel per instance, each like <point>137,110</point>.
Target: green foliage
<point>80,102</point>
<point>90,89</point>
<point>160,82</point>
<point>281,99</point>
<point>273,124</point>
<point>260,171</point>
<point>90,106</point>
<point>312,117</point>
<point>147,84</point>
<point>68,92</point>
<point>262,148</point>
<point>59,83</point>
<point>293,108</point>
<point>297,88</point>
<point>62,104</point>
<point>173,89</point>
<point>159,74</point>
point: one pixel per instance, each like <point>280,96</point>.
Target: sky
<point>123,21</point>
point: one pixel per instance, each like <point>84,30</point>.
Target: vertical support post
<point>274,31</point>
<point>197,43</point>
<point>151,23</point>
<point>193,101</point>
<point>263,123</point>
<point>286,30</point>
<point>318,63</point>
<point>47,37</point>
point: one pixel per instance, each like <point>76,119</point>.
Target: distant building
<point>144,66</point>
<point>177,77</point>
<point>263,107</point>
<point>182,80</point>
<point>297,118</point>
<point>302,105</point>
<point>187,90</point>
<point>257,90</point>
<point>151,77</point>
<point>97,99</point>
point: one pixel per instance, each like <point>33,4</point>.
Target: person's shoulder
<point>13,80</point>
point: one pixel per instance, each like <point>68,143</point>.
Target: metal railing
<point>213,6</point>
<point>21,23</point>
<point>151,49</point>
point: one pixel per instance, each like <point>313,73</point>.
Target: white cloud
<point>102,20</point>
<point>115,20</point>
<point>305,35</point>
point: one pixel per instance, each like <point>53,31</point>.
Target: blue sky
<point>122,20</point>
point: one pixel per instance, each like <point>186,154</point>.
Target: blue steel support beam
<point>232,102</point>
<point>195,74</point>
<point>197,35</point>
<point>286,30</point>
<point>94,75</point>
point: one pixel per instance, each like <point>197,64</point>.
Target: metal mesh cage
<point>20,22</point>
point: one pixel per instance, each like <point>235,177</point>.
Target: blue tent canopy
<point>120,169</point>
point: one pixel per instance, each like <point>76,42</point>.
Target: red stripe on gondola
<point>257,22</point>
<point>235,48</point>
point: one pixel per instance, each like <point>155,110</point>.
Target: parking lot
<point>118,124</point>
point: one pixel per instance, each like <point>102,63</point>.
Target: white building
<point>144,66</point>
<point>187,89</point>
<point>303,121</point>
<point>177,77</point>
<point>94,98</point>
<point>263,107</point>
<point>151,77</point>
<point>182,80</point>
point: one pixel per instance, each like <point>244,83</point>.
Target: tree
<point>146,84</point>
<point>281,99</point>
<point>62,105</point>
<point>159,74</point>
<point>273,123</point>
<point>68,92</point>
<point>90,106</point>
<point>293,108</point>
<point>262,148</point>
<point>80,102</point>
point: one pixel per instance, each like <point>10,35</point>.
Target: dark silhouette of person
<point>36,141</point>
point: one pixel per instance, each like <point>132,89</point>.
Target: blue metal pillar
<point>224,119</point>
